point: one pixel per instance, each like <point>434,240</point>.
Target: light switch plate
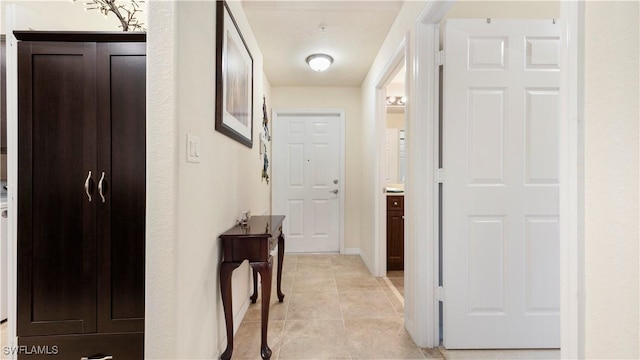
<point>193,149</point>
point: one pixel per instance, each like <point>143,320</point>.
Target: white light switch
<point>193,149</point>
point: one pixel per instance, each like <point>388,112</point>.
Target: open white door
<point>306,179</point>
<point>500,214</point>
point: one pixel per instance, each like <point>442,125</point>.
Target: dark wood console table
<point>253,242</point>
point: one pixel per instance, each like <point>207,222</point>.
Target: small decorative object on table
<point>244,219</point>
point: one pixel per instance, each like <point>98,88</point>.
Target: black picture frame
<point>234,79</point>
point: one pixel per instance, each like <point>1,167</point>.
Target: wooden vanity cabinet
<point>395,232</point>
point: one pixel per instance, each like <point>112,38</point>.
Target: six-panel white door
<point>500,212</point>
<point>306,180</point>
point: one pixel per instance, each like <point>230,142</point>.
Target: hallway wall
<point>190,204</point>
<point>611,214</point>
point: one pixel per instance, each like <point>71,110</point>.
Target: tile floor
<point>396,278</point>
<point>333,309</point>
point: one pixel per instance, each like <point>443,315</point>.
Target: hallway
<point>333,309</point>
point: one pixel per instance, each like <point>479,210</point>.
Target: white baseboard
<point>243,311</point>
<point>351,251</point>
<point>366,261</point>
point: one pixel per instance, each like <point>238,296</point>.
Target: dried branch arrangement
<point>126,13</point>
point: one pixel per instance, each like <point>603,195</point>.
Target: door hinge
<point>440,293</point>
<point>440,176</point>
<point>440,58</point>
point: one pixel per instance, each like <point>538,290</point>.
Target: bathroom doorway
<point>395,170</point>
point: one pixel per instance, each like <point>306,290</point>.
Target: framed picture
<point>234,79</point>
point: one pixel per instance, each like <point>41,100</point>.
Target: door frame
<point>278,112</point>
<point>425,331</point>
<point>398,60</point>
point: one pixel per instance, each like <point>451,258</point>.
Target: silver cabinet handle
<point>334,191</point>
<point>86,186</point>
<point>107,357</point>
<point>101,188</point>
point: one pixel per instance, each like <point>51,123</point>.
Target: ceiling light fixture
<point>319,62</point>
<point>396,100</point>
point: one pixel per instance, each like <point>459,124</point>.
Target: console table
<point>253,242</point>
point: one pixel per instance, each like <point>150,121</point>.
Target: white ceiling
<point>289,31</point>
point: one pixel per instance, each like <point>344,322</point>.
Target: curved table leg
<point>254,297</point>
<point>265,270</point>
<point>225,288</point>
<point>280,260</point>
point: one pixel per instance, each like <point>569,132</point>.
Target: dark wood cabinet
<point>81,193</point>
<point>395,233</point>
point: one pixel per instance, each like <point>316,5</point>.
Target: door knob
<point>334,191</point>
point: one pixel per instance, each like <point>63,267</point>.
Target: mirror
<point>395,151</point>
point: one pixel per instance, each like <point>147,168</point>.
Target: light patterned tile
<point>397,304</point>
<point>432,353</point>
<point>366,305</point>
<point>356,283</point>
<point>313,270</point>
<point>346,260</point>
<point>316,259</point>
<point>277,310</point>
<point>314,306</point>
<point>351,269</point>
<point>314,339</point>
<point>246,342</point>
<point>380,339</point>
<point>314,284</point>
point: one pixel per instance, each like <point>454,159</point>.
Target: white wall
<point>531,9</point>
<point>612,116</point>
<point>395,121</point>
<point>210,194</point>
<point>61,15</point>
<point>347,98</point>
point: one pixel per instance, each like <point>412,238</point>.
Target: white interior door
<point>306,179</point>
<point>500,214</point>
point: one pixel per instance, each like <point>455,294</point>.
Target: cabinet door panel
<point>56,240</point>
<point>395,233</point>
<point>121,155</point>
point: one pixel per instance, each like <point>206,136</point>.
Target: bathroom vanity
<point>395,232</point>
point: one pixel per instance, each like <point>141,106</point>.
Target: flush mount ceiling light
<point>319,62</point>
